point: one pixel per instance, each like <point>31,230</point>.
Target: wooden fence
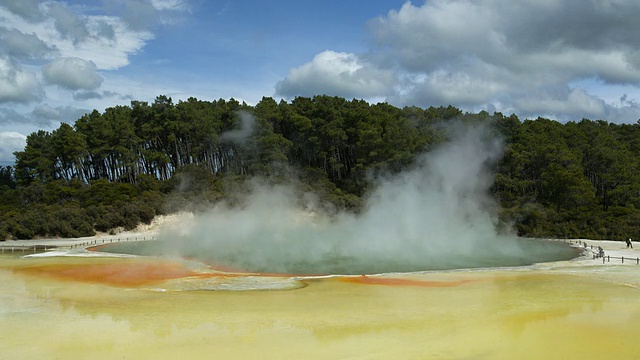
<point>10,248</point>
<point>622,258</point>
<point>599,253</point>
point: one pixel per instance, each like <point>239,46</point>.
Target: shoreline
<point>141,231</point>
<point>613,249</point>
<point>615,252</point>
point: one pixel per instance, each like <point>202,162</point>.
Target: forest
<point>122,167</point>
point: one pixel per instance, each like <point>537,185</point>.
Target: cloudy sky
<point>562,59</point>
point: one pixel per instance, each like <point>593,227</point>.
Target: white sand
<point>614,249</point>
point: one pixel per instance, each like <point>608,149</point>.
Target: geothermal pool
<point>415,228</point>
<point>105,308</point>
<point>506,251</point>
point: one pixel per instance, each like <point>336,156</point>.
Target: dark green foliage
<point>7,177</point>
<point>128,164</point>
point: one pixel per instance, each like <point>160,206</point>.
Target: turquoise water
<point>506,252</point>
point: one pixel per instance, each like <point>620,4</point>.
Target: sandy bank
<point>143,231</point>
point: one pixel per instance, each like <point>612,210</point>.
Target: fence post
<point>623,259</point>
<point>608,258</point>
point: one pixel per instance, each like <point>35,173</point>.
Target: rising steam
<point>436,216</point>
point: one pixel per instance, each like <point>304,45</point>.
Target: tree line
<point>129,163</point>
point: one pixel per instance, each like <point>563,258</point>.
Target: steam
<point>436,216</point>
<point>239,136</point>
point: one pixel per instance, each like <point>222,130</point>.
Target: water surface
<point>559,312</point>
<point>502,252</point>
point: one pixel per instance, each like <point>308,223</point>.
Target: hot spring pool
<point>106,308</point>
<point>504,252</point>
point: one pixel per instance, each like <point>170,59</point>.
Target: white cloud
<point>43,116</point>
<point>68,44</point>
<point>18,85</point>
<point>72,73</point>
<point>46,114</point>
<point>491,54</point>
<point>11,141</point>
<point>170,5</point>
<point>22,46</point>
<point>336,73</point>
<point>68,24</point>
<point>106,40</point>
<point>11,117</point>
<point>563,102</point>
<point>28,9</point>
<point>522,56</point>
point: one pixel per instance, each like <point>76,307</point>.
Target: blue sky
<point>564,59</point>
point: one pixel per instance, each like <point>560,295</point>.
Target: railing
<point>608,259</point>
<point>25,248</point>
<point>5,248</point>
<point>600,252</point>
<point>111,241</point>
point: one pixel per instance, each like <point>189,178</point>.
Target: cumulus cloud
<point>563,101</point>
<point>52,49</point>
<point>10,141</point>
<point>336,73</point>
<point>499,32</point>
<point>46,114</point>
<point>42,116</point>
<point>68,24</point>
<point>27,9</point>
<point>528,58</point>
<point>18,85</point>
<point>10,116</point>
<point>72,73</point>
<point>104,38</point>
<point>22,46</point>
<point>88,95</point>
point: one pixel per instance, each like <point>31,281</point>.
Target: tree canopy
<point>129,163</point>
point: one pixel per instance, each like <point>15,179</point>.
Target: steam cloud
<point>239,136</point>
<point>436,216</point>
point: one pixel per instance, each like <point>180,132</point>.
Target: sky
<point>561,59</point>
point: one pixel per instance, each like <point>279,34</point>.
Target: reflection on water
<point>522,313</point>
